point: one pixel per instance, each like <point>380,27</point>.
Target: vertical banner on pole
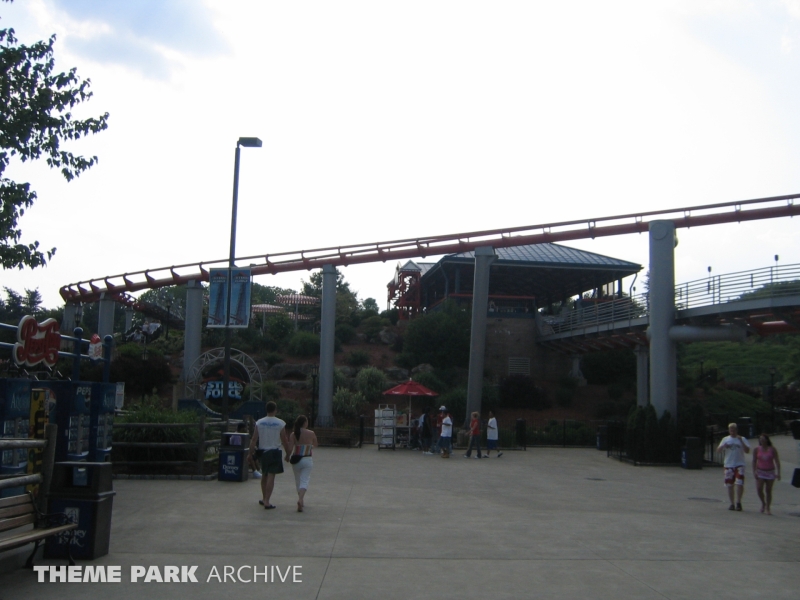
<point>217,297</point>
<point>240,297</point>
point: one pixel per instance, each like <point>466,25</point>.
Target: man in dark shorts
<point>269,436</point>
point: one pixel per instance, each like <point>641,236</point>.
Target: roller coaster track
<point>342,256</point>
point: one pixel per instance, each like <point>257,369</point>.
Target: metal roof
<point>551,255</point>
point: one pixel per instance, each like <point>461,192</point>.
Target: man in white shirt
<point>446,439</point>
<point>492,435</point>
<point>735,447</point>
<point>269,436</point>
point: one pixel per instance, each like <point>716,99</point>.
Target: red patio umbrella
<point>410,388</point>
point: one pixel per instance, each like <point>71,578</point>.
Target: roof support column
<point>642,366</point>
<point>105,321</point>
<point>663,374</point>
<point>193,328</point>
<point>484,257</point>
<point>70,319</point>
<point>326,347</point>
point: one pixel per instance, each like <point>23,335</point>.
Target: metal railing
<point>766,282</point>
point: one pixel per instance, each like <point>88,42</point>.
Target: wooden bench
<point>329,436</point>
<point>20,511</point>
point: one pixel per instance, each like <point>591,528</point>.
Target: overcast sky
<point>393,120</point>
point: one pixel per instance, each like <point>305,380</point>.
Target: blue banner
<point>218,297</point>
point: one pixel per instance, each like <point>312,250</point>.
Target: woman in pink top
<point>766,469</point>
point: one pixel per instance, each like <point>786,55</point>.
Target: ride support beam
<point>193,329</point>
<point>663,384</point>
<point>484,257</point>
<point>326,347</point>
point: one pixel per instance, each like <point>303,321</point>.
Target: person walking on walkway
<point>446,439</point>
<point>766,469</point>
<point>301,440</point>
<point>269,437</point>
<point>474,435</point>
<point>735,447</point>
<point>492,435</point>
<point>425,431</point>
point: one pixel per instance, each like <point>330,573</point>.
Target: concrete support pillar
<point>128,318</point>
<point>576,373</point>
<point>663,373</point>
<point>193,328</point>
<point>642,371</point>
<point>70,320</point>
<point>105,321</point>
<point>326,347</point>
<point>484,257</point>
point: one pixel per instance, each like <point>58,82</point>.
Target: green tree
<point>35,110</point>
<point>439,338</point>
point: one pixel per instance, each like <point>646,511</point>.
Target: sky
<point>383,120</point>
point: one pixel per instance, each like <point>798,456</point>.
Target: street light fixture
<point>772,371</point>
<point>314,375</point>
<point>247,142</point>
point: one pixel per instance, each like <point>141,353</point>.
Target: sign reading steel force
<point>218,298</point>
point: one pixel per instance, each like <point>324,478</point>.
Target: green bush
<point>430,381</point>
<point>609,366</point>
<point>272,359</point>
<point>358,358</point>
<point>440,338</point>
<point>280,327</point>
<point>345,333</point>
<point>564,397</point>
<point>303,343</point>
<point>289,410</point>
<point>348,404</point>
<point>372,327</point>
<point>650,439</point>
<point>270,391</point>
<point>392,315</point>
<point>340,380</point>
<point>149,410</point>
<point>519,391</point>
<point>371,383</point>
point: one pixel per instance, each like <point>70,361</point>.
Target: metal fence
<point>767,282</point>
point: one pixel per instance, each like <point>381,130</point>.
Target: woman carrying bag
<point>302,440</point>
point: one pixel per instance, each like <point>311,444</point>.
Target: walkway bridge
<point>762,301</point>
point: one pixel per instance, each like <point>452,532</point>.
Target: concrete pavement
<point>546,523</point>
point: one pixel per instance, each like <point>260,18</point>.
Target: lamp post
<point>314,375</point>
<point>772,371</point>
<point>247,142</point>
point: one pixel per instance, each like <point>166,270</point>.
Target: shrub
<point>609,366</point>
<point>564,397</point>
<point>289,410</point>
<point>440,338</point>
<point>430,381</point>
<point>392,315</point>
<point>272,359</point>
<point>348,404</point>
<point>149,410</point>
<point>303,343</point>
<point>270,391</point>
<point>345,333</point>
<point>358,358</point>
<point>372,327</point>
<point>519,391</point>
<point>371,383</point>
<point>280,327</point>
<point>141,375</point>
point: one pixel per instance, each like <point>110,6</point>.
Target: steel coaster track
<point>422,247</point>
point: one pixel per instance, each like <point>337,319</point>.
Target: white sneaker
<point>256,474</point>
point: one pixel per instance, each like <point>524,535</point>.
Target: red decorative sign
<point>37,342</point>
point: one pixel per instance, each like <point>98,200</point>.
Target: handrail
<point>765,282</point>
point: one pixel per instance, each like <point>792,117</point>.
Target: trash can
<point>232,456</point>
<point>521,442</point>
<point>602,437</point>
<point>745,427</point>
<point>692,453</point>
<point>83,491</point>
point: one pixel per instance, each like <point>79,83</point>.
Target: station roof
<point>544,270</point>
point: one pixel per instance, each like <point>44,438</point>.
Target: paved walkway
<point>546,523</point>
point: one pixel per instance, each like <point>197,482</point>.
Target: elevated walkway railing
<point>758,284</point>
